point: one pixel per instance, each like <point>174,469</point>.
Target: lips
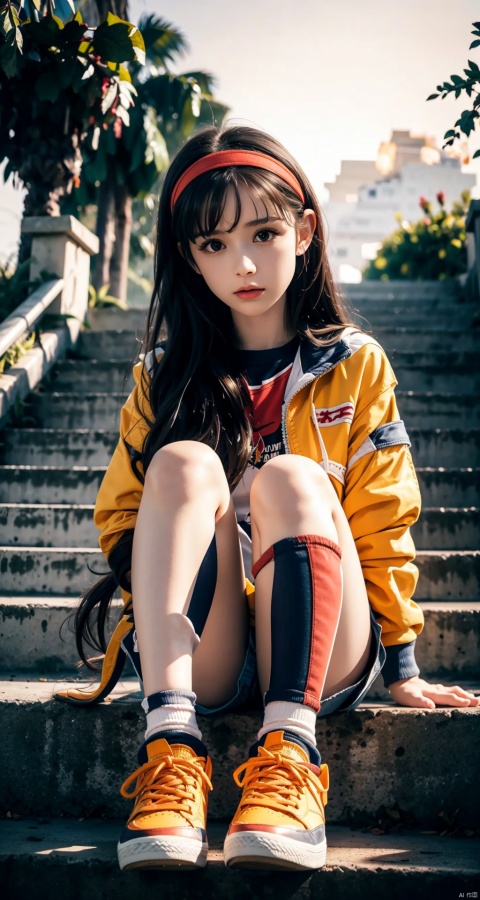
<point>249,293</point>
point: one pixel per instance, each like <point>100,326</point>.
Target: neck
<point>263,332</point>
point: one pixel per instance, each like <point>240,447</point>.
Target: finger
<point>446,696</point>
<point>461,692</point>
<point>417,700</point>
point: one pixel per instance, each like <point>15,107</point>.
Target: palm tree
<point>129,162</point>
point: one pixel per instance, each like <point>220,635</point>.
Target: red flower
<point>424,204</point>
<point>441,197</point>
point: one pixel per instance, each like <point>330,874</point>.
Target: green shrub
<point>434,247</point>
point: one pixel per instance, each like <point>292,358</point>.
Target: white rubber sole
<point>161,852</point>
<point>263,849</point>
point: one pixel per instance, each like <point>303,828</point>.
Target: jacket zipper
<point>287,407</point>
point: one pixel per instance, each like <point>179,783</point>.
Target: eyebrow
<point>247,225</point>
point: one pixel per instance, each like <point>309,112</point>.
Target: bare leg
<point>292,495</point>
<point>185,500</point>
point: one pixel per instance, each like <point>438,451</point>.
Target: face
<point>250,268</point>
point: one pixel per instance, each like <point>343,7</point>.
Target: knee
<point>288,482</point>
<point>183,470</point>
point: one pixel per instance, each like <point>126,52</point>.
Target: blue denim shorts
<point>248,694</point>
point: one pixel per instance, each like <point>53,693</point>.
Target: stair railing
<point>28,313</point>
<point>61,246</point>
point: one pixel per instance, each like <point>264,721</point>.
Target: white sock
<point>285,716</point>
<point>177,713</point>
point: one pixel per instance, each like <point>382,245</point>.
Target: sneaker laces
<point>168,785</point>
<point>272,780</point>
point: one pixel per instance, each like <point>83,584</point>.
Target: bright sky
<point>330,82</point>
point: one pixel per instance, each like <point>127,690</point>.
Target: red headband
<point>224,158</point>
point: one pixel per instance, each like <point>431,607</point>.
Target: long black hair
<point>196,390</point>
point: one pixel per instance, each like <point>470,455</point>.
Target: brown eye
<point>264,235</point>
<point>212,246</point>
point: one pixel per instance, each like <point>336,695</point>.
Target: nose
<point>245,266</point>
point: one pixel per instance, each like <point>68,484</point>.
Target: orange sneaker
<point>167,826</point>
<point>280,820</point>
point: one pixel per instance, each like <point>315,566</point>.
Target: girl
<point>256,512</point>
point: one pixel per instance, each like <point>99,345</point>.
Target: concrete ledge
<point>78,859</point>
<point>59,759</point>
<point>29,370</point>
<point>68,226</point>
<point>36,638</point>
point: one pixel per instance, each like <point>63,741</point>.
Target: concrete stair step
<point>110,344</point>
<point>63,446</point>
<point>444,528</point>
<point>72,525</point>
<point>97,410</point>
<point>377,752</point>
<point>48,525</point>
<point>373,315</point>
<point>447,487</point>
<point>50,484</point>
<point>430,290</point>
<point>79,859</point>
<point>414,371</point>
<point>445,446</point>
<point>101,410</point>
<point>88,375</point>
<point>89,447</point>
<point>36,637</point>
<point>443,574</point>
<point>123,345</point>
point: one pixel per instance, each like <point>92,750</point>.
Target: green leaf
<point>112,42</point>
<point>45,32</point>
<point>138,45</point>
<point>456,79</point>
<point>432,97</point>
<point>474,44</point>
<point>477,153</point>
<point>10,51</point>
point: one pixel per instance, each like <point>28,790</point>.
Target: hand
<point>417,692</point>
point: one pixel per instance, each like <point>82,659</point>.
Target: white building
<point>366,195</point>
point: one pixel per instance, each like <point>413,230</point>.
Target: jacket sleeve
<point>382,500</point>
<point>120,492</point>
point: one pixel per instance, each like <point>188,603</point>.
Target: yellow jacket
<point>340,410</point>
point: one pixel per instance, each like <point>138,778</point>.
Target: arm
<point>382,500</point>
<point>120,492</point>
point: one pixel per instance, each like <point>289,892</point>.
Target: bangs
<point>200,208</point>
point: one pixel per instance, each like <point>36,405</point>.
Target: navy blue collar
<point>319,360</point>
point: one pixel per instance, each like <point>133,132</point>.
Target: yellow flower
<point>456,243</point>
<point>442,254</point>
<point>404,268</point>
<point>380,262</point>
<point>414,239</point>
